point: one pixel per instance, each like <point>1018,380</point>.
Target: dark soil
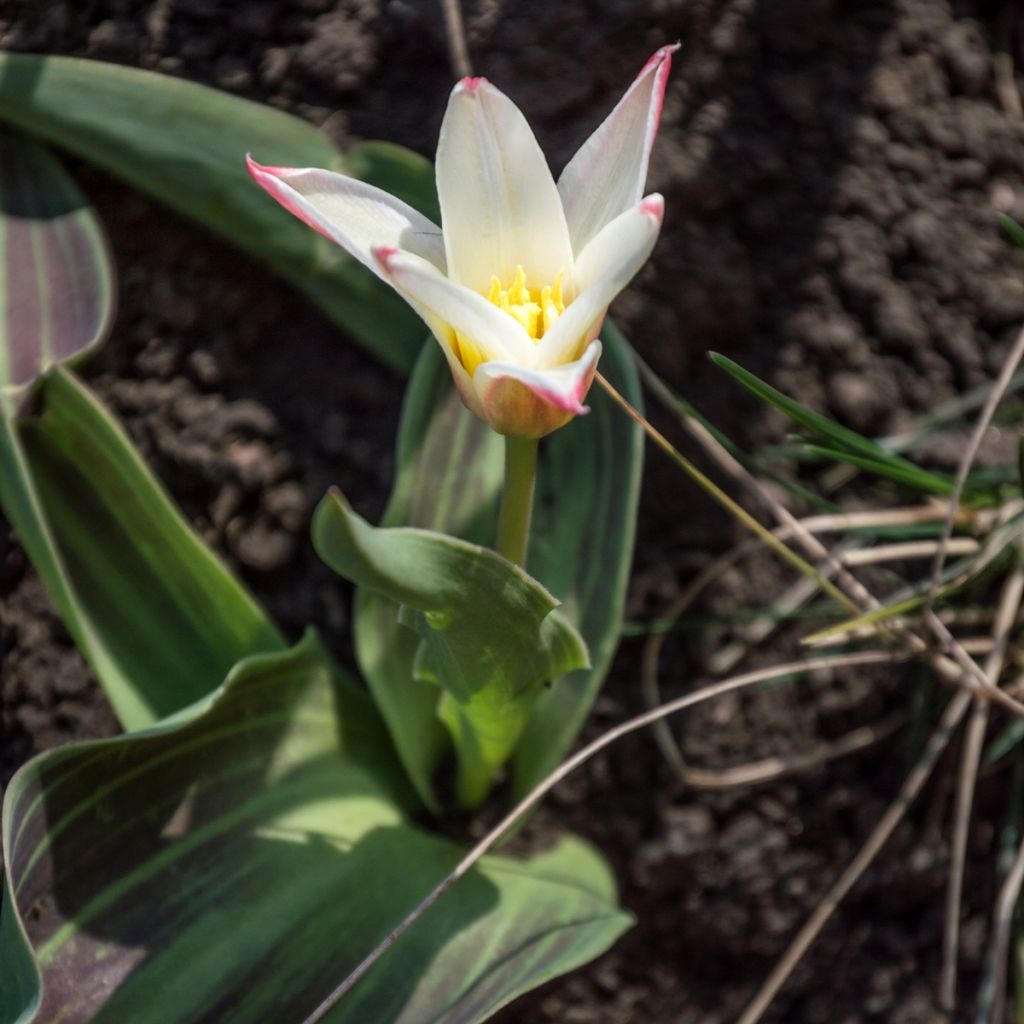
<point>832,172</point>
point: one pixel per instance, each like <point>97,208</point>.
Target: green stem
<point>517,498</point>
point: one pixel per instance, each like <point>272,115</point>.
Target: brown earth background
<point>833,173</point>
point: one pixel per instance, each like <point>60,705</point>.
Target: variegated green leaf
<point>156,614</point>
<point>185,144</point>
<point>582,550</point>
<point>489,637</point>
<point>56,277</point>
<point>449,479</point>
<point>236,864</point>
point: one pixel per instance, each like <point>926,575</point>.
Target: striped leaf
<point>156,614</point>
<point>449,478</point>
<point>56,276</point>
<point>582,550</point>
<point>489,637</point>
<point>185,145</point>
<point>158,617</point>
<point>236,864</point>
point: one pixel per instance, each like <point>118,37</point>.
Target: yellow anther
<point>519,294</point>
<point>551,303</point>
<point>536,310</point>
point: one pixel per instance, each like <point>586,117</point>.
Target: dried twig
<point>1002,382</point>
<point>711,573</point>
<point>656,641</point>
<point>961,670</point>
<point>972,675</point>
<point>975,676</point>
<point>455,30</point>
<point>811,545</point>
<point>970,758</point>
<point>794,597</point>
<point>951,718</point>
<point>908,550</point>
<point>734,508</point>
<point>1009,893</point>
<point>771,768</point>
<point>1003,63</point>
<point>567,767</point>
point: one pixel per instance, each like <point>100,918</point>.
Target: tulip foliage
<point>514,285</point>
<point>260,826</point>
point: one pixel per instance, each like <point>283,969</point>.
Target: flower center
<point>535,310</point>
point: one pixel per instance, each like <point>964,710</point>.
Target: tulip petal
<point>533,403</point>
<point>499,205</point>
<point>603,269</point>
<point>492,332</point>
<point>350,212</point>
<point>607,174</point>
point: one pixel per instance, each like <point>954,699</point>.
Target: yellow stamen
<point>535,310</point>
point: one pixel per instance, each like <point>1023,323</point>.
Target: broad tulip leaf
<point>185,144</point>
<point>237,863</point>
<point>57,295</point>
<point>489,637</point>
<point>582,550</point>
<point>158,616</point>
<point>449,479</point>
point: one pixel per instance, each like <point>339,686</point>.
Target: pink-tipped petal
<point>351,213</point>
<point>533,403</point>
<point>608,172</point>
<point>606,265</point>
<point>499,205</point>
<point>494,333</point>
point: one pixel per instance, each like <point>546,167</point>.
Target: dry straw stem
<point>566,768</point>
<point>970,758</point>
<point>757,771</point>
<point>805,529</point>
<point>975,737</point>
<point>455,30</point>
<point>1002,536</point>
<point>735,509</point>
<point>859,596</point>
<point>971,675</point>
<point>909,550</point>
<point>771,768</point>
<point>727,657</point>
<point>796,596</point>
<point>999,950</point>
<point>974,676</point>
<point>995,396</point>
<point>1003,64</point>
<point>951,718</point>
<point>952,664</point>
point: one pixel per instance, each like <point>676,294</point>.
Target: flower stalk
<point>517,498</point>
